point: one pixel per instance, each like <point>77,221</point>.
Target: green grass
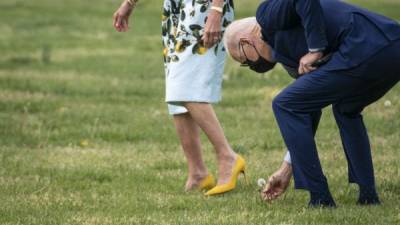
<point>106,89</point>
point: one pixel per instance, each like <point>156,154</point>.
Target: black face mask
<point>261,65</point>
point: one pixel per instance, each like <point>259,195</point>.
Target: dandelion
<point>261,182</point>
<point>387,103</point>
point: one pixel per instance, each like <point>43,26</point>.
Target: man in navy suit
<point>340,55</point>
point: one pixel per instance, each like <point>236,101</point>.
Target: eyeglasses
<point>242,52</point>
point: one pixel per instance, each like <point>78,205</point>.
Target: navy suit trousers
<point>297,110</point>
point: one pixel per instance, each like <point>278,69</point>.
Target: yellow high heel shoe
<point>207,183</point>
<point>238,168</point>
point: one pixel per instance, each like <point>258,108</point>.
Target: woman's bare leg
<point>204,116</point>
<point>188,132</point>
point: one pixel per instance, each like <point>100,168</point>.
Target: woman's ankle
<point>194,181</point>
<point>227,155</point>
<point>198,175</point>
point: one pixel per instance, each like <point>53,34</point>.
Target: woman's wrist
<point>217,6</point>
<point>218,3</point>
<point>218,9</point>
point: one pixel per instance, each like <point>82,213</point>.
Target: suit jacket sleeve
<point>275,15</point>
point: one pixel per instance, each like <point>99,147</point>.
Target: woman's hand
<point>121,17</point>
<point>307,60</point>
<point>212,30</point>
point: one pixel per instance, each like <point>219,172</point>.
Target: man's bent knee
<point>346,110</point>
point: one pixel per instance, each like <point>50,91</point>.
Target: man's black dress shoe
<point>368,196</point>
<point>321,200</point>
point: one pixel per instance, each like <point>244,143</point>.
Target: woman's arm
<point>212,29</point>
<point>121,16</point>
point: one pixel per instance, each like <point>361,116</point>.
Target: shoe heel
<point>246,180</point>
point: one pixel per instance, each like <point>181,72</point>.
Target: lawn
<point>85,137</point>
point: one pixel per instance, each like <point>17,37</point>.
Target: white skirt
<point>193,73</point>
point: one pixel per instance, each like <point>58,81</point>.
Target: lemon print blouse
<point>193,72</point>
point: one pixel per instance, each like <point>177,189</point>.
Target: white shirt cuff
<point>287,158</point>
<point>312,50</point>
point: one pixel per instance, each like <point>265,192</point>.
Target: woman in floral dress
<point>194,59</point>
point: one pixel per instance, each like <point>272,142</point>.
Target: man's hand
<point>277,183</point>
<point>121,17</point>
<point>212,29</point>
<point>307,60</point>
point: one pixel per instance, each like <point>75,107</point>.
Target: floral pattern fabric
<point>193,72</point>
<point>183,24</point>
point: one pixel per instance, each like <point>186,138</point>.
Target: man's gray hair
<point>233,32</point>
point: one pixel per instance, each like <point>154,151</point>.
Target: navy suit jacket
<point>351,33</point>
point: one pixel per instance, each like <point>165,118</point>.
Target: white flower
<point>261,182</point>
<point>387,103</point>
